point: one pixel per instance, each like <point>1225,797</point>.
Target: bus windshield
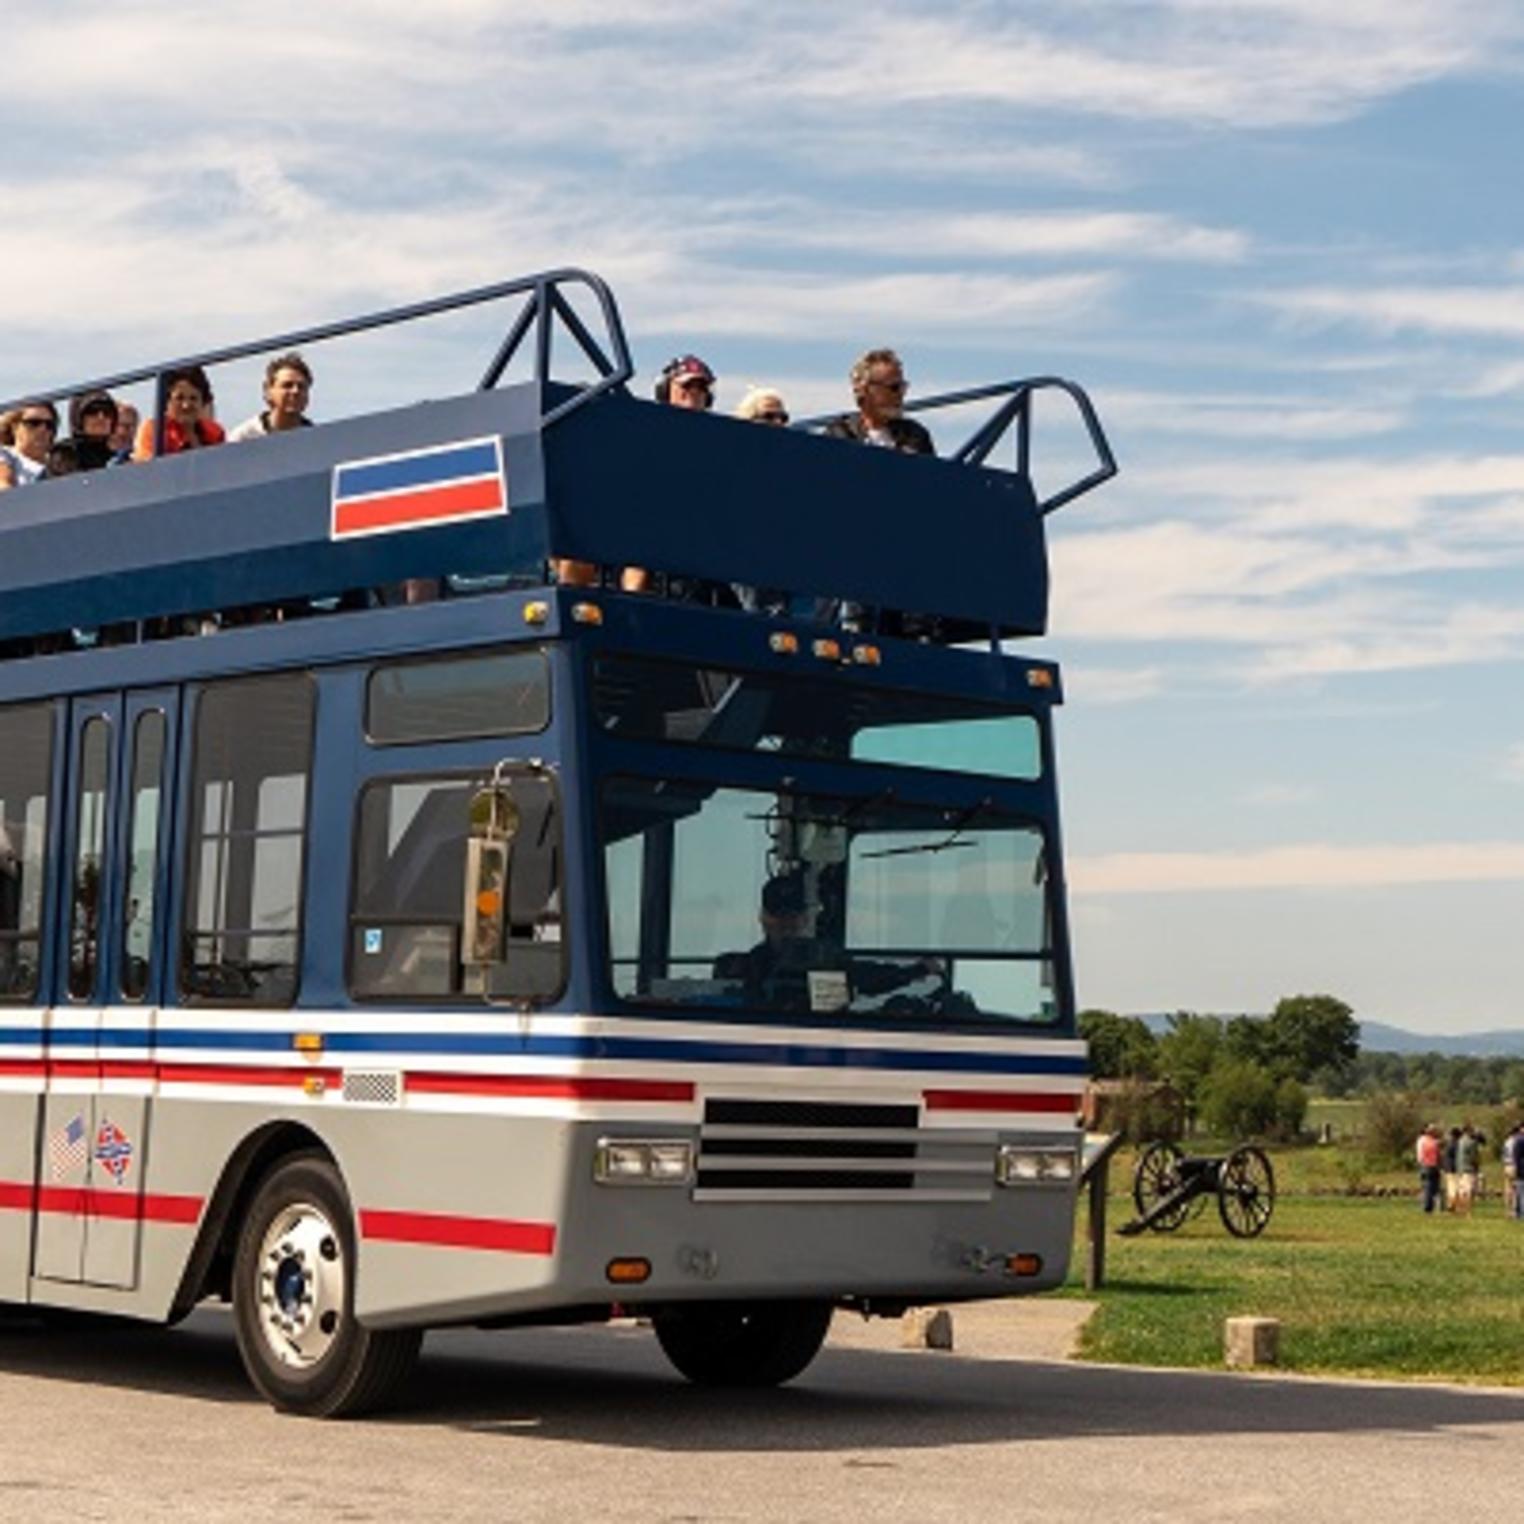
<point>779,901</point>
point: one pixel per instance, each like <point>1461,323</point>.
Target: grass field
<point>1362,1286</point>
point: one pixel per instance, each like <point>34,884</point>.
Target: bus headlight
<point>643,1161</point>
<point>1018,1164</point>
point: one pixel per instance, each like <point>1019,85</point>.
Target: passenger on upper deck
<point>763,405</point>
<point>92,422</point>
<point>879,385</point>
<point>287,388</point>
<point>35,426</point>
<point>125,432</point>
<point>188,424</point>
<point>687,382</point>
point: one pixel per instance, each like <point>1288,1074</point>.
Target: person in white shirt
<point>287,390</point>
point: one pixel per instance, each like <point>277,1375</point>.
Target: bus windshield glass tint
<point>785,902</point>
<point>642,700</point>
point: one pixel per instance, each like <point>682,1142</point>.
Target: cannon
<point>1170,1187</point>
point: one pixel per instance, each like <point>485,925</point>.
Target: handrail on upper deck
<point>545,303</point>
<point>1016,410</point>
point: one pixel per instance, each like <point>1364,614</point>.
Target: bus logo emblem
<point>419,489</point>
<point>113,1151</point>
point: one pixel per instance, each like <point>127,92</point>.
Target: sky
<point>1280,242</point>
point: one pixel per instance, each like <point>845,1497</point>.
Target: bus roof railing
<point>545,307</point>
<point>1015,412</point>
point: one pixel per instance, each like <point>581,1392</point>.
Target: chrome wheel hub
<point>301,1286</point>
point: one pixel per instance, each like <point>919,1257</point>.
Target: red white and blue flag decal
<point>419,489</point>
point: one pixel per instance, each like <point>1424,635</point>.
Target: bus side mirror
<point>489,850</point>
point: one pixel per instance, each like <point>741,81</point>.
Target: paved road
<point>589,1425</point>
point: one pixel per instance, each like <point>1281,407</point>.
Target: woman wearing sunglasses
<point>24,459</point>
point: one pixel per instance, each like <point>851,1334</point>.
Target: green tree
<point>1188,1051</point>
<point>1238,1099</point>
<point>1306,1033</point>
<point>1121,1047</point>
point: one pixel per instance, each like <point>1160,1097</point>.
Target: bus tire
<point>742,1343</point>
<point>293,1300</point>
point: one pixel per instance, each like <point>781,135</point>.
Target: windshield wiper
<point>959,826</point>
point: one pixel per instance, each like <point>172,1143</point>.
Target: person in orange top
<point>1427,1153</point>
<point>188,422</point>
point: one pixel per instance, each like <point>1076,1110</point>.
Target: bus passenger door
<point>103,1078</point>
<point>73,1036</point>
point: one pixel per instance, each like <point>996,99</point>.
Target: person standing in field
<point>1467,1157</point>
<point>1427,1151</point>
<point>1447,1166</point>
<point>1513,1167</point>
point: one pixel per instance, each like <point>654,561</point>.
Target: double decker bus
<point>534,951</point>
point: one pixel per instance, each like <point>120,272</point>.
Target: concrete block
<point>1250,1342</point>
<point>927,1328</point>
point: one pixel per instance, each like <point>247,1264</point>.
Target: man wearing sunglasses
<point>879,385</point>
<point>35,426</point>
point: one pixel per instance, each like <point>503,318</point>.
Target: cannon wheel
<point>1246,1192</point>
<point>1155,1176</point>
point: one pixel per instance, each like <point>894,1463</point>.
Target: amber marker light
<point>314,1084</point>
<point>867,656</point>
<point>827,650</point>
<point>587,613</point>
<point>310,1043</point>
<point>1039,677</point>
<point>628,1272</point>
<point>1023,1264</point>
<point>784,642</point>
<point>536,612</point>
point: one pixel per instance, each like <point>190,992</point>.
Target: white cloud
<point>1488,311</point>
<point>1312,865</point>
<point>1085,684</point>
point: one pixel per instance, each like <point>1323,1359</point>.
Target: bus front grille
<point>837,1151</point>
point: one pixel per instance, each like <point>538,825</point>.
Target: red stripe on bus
<point>77,1201</point>
<point>1000,1100</point>
<point>442,1231</point>
<point>16,1198</point>
<point>420,507</point>
<point>551,1086</point>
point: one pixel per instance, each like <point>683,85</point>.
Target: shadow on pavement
<point>613,1387</point>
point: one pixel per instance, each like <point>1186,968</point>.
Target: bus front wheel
<point>743,1343</point>
<point>293,1300</point>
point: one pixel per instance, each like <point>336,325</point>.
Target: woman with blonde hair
<point>763,404</point>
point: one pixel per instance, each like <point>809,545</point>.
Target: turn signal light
<point>308,1042</point>
<point>867,656</point>
<point>586,613</point>
<point>628,1272</point>
<point>827,650</point>
<point>784,642</point>
<point>537,612</point>
<point>1039,677</point>
<point>1023,1264</point>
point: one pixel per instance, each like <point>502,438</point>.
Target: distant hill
<point>1376,1037</point>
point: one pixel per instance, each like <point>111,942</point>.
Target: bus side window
<point>409,932</point>
<point>139,911</point>
<point>26,762</point>
<point>248,828</point>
